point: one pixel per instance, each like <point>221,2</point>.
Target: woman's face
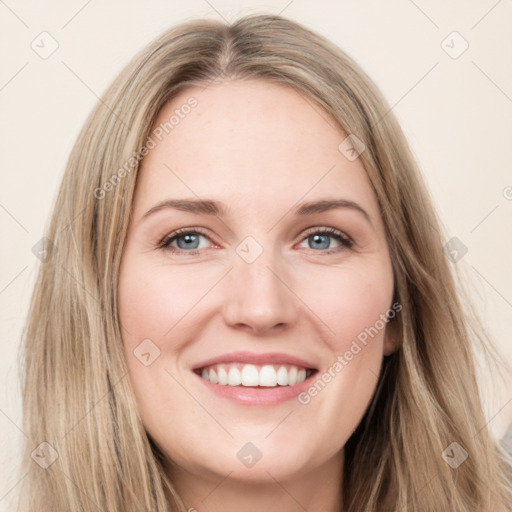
<point>257,290</point>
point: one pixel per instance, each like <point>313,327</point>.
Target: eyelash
<point>344,240</point>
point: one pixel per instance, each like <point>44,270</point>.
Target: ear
<point>391,337</point>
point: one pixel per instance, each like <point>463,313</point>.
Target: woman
<point>309,353</point>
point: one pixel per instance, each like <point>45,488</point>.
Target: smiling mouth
<point>255,376</point>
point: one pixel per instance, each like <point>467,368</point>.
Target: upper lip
<point>254,358</point>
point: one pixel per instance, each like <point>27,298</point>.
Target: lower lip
<point>258,396</point>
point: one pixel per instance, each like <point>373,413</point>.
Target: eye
<point>186,239</point>
<point>320,239</point>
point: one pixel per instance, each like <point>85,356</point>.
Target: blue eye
<point>188,240</point>
<point>320,240</point>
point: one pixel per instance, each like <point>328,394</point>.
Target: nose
<point>259,297</point>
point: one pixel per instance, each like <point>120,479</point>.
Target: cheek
<point>157,306</point>
<point>154,298</point>
<point>351,302</point>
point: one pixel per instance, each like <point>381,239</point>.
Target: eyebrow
<point>211,207</point>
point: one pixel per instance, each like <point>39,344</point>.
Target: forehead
<point>249,142</point>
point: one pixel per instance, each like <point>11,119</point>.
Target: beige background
<point>456,112</point>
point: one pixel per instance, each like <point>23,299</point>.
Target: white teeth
<point>268,377</point>
<point>234,377</point>
<point>222,375</point>
<point>252,375</point>
<point>282,376</point>
<point>292,376</point>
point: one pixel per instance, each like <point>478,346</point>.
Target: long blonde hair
<point>77,396</point>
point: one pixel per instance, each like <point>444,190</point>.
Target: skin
<point>260,149</point>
